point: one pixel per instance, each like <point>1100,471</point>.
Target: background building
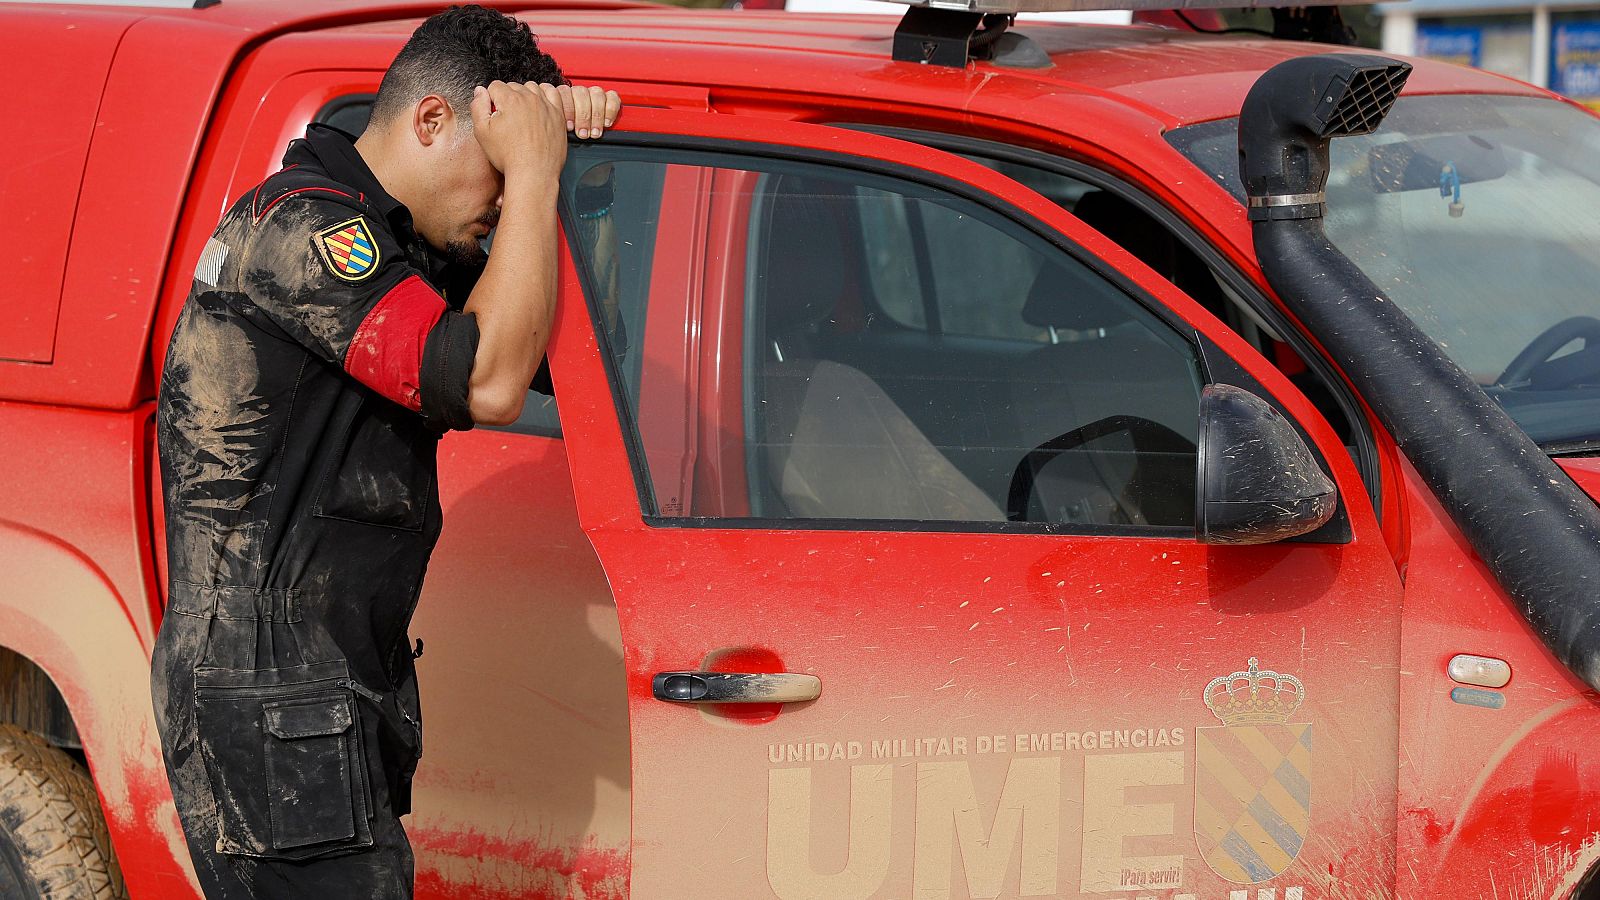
<point>1555,44</point>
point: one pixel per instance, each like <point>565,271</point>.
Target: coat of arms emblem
<point>1252,805</point>
<point>348,249</point>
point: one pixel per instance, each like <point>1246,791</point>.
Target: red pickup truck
<point>925,527</point>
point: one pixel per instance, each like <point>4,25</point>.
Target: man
<point>343,318</point>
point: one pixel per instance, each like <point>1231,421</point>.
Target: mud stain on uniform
<point>215,418</point>
<point>283,272</point>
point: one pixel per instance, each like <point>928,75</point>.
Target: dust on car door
<point>897,496</point>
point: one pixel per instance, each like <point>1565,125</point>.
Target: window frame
<point>683,148</point>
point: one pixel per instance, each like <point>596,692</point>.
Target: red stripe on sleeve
<point>386,352</point>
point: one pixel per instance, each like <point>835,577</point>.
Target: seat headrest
<point>804,256</point>
<point>1078,300</point>
<point>1074,299</point>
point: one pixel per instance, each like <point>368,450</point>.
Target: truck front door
<point>801,466</point>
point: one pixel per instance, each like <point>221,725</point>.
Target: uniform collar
<point>334,152</point>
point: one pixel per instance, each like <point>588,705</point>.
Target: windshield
<point>1478,215</point>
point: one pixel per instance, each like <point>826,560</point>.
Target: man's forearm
<point>514,299</point>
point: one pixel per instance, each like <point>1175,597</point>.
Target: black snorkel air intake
<point>1534,528</point>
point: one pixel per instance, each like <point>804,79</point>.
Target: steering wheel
<point>1541,348</point>
<point>1148,436</point>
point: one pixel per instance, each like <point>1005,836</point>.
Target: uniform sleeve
<point>459,281</point>
<point>334,280</point>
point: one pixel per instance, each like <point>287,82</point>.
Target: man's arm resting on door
<point>520,128</point>
<point>514,300</point>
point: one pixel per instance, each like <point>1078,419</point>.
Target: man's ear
<point>429,119</point>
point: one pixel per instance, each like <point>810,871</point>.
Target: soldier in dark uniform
<point>343,317</point>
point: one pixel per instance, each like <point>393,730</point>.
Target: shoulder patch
<point>348,249</point>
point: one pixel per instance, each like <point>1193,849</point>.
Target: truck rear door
<point>799,468</point>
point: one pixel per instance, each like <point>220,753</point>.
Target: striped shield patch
<point>1252,806</point>
<point>348,249</point>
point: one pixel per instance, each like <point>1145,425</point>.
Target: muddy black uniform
<point>319,358</point>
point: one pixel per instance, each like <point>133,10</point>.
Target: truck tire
<point>53,839</point>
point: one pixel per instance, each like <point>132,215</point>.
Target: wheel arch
<point>1585,882</point>
<point>63,617</point>
<point>30,699</point>
<point>1533,814</point>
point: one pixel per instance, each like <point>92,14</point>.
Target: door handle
<point>735,687</point>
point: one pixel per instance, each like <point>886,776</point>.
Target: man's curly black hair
<point>453,52</point>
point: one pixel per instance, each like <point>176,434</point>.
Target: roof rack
<point>948,37</point>
<point>951,32</point>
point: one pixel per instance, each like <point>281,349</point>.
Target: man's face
<point>463,200</point>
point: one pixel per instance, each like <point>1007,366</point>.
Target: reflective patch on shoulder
<point>209,268</point>
<point>348,249</point>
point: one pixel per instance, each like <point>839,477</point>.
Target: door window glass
<point>1114,214</point>
<point>848,346</point>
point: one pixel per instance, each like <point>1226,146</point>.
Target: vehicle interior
<point>1156,245</point>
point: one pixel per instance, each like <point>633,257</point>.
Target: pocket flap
<point>303,718</point>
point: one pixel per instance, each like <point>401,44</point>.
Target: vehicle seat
<point>831,443</point>
<point>1107,363</point>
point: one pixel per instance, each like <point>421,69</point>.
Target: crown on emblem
<point>1255,697</point>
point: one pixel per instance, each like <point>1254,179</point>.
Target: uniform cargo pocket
<point>307,759</point>
<point>382,472</point>
<point>284,753</point>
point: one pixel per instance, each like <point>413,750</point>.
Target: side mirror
<point>1257,481</point>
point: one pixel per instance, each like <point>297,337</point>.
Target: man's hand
<point>589,110</point>
<point>519,128</point>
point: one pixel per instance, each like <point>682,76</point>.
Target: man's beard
<point>473,254</point>
<point>468,254</point>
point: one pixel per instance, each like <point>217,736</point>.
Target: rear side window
<point>348,113</point>
<point>855,348</point>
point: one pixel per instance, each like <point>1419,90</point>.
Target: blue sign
<point>1575,60</point>
<point>1461,44</point>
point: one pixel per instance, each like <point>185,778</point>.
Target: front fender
<point>1532,816</point>
<point>59,610</point>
